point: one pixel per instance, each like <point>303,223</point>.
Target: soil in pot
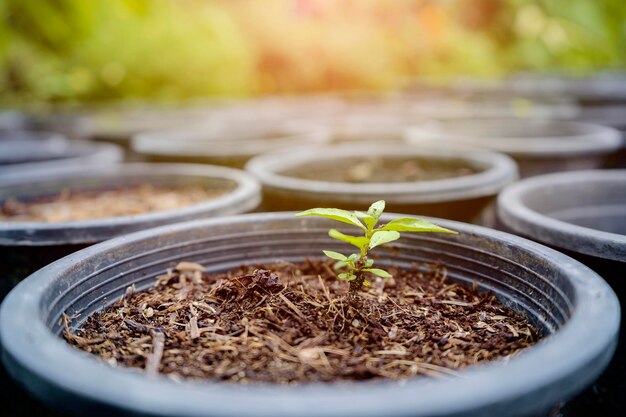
<point>292,323</point>
<point>583,215</point>
<point>46,217</point>
<point>381,170</point>
<point>435,182</point>
<point>73,205</point>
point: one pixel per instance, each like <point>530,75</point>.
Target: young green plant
<point>358,265</point>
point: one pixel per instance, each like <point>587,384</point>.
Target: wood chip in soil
<point>290,323</point>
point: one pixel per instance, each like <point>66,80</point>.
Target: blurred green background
<point>165,50</point>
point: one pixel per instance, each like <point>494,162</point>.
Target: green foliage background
<point>94,50</point>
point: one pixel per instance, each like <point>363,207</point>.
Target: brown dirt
<point>381,170</point>
<point>71,205</point>
<point>295,325</point>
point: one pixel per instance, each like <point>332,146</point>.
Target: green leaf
<point>369,221</point>
<point>347,275</point>
<point>376,209</point>
<point>340,265</point>
<point>369,263</point>
<point>367,283</point>
<point>408,224</point>
<point>335,255</point>
<point>334,214</point>
<point>354,257</point>
<point>358,241</point>
<point>381,237</point>
<point>379,272</point>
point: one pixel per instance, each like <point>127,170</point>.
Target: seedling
<point>358,266</point>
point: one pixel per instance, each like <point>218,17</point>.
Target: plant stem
<point>356,284</point>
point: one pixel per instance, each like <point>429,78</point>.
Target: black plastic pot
<point>568,301</point>
<point>584,215</point>
<point>231,145</point>
<point>33,151</point>
<point>28,246</point>
<point>460,198</point>
<point>538,146</point>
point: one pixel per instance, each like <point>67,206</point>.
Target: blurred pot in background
<point>46,216</point>
<point>453,184</point>
<point>495,105</point>
<point>538,146</point>
<point>583,214</point>
<point>224,144</point>
<point>12,120</point>
<point>24,152</point>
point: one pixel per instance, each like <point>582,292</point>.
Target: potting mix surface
<point>71,205</point>
<point>381,170</point>
<point>293,323</point>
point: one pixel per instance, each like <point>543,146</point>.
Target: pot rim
<point>591,139</point>
<point>500,170</point>
<point>245,196</point>
<point>522,219</point>
<point>214,139</point>
<point>592,329</point>
<point>95,153</point>
<point>493,105</point>
<point>26,139</point>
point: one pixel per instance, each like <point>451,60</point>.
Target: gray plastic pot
<point>73,125</point>
<point>582,214</point>
<point>604,87</point>
<point>277,109</point>
<point>231,145</point>
<point>495,105</point>
<point>567,300</point>
<point>460,198</point>
<point>28,246</point>
<point>34,151</point>
<point>601,87</point>
<point>613,115</point>
<point>538,146</point>
<point>582,211</point>
<point>362,125</point>
<point>12,120</point>
<point>119,122</point>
